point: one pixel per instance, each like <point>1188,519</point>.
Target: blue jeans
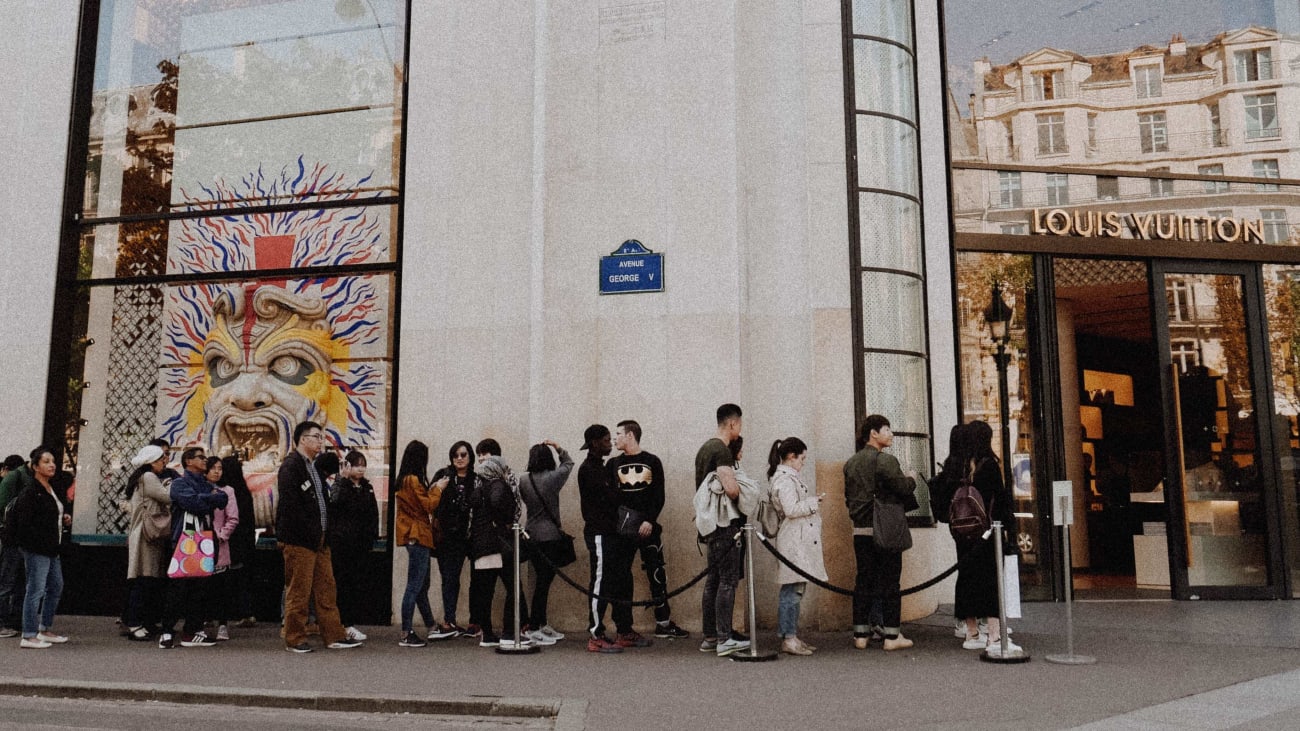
<point>417,587</point>
<point>44,587</point>
<point>787,610</point>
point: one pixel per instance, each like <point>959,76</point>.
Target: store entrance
<point>1113,432</point>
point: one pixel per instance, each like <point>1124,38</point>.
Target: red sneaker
<point>632,639</point>
<point>602,645</point>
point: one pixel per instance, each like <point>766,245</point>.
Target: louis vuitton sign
<point>1159,226</point>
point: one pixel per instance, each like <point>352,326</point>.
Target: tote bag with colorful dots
<point>195,554</point>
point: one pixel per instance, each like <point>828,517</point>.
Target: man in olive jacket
<point>301,525</point>
<point>869,473</point>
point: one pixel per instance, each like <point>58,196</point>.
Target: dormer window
<point>1255,64</point>
<point>1048,85</point>
<point>1147,81</point>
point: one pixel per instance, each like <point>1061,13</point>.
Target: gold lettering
<point>1113,225</point>
<point>1207,227</point>
<point>1054,215</point>
<point>1087,226</point>
<point>1142,224</point>
<point>1221,228</point>
<point>1166,232</point>
<point>1252,230</point>
<point>1036,224</point>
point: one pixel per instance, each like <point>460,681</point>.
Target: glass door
<point>1219,474</point>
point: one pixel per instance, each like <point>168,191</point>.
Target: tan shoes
<point>897,643</point>
<point>795,646</point>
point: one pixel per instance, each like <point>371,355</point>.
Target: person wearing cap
<point>14,478</point>
<point>610,554</point>
<point>146,542</point>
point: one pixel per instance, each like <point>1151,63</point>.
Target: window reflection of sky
<point>1004,30</point>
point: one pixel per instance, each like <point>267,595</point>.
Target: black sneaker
<point>165,641</point>
<point>198,639</point>
<point>671,630</point>
<point>300,648</point>
<point>410,639</point>
<point>489,639</point>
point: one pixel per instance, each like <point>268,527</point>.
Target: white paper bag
<point>1011,585</point>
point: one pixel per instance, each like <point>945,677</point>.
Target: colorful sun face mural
<point>244,363</point>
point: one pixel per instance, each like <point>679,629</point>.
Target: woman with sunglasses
<point>452,519</point>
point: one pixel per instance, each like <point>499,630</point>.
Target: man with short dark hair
<point>639,477</point>
<point>869,473</point>
<point>301,527</point>
<point>609,553</point>
<point>190,493</point>
<point>15,476</point>
<point>724,554</point>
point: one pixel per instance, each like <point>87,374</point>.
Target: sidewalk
<point>1158,663</point>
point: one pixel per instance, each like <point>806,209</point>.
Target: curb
<point>568,714</point>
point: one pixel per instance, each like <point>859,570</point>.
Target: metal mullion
<point>896,351</point>
<point>889,41</point>
<point>900,272</point>
<point>245,275</point>
<point>887,115</point>
<point>278,117</point>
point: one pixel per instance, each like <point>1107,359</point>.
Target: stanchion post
<point>517,647</point>
<point>1006,654</point>
<point>1069,658</point>
<point>753,655</point>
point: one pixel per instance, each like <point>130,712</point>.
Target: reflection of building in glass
<point>1214,109</point>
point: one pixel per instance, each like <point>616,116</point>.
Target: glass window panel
<point>884,80</point>
<point>887,300</point>
<point>890,19</point>
<point>241,242</point>
<point>887,155</point>
<point>233,367</point>
<point>896,387</point>
<point>1282,302</point>
<point>913,453</point>
<point>890,232</point>
<point>191,96</point>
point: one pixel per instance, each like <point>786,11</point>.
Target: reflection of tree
<point>1230,318</point>
<point>1283,303</point>
<point>146,181</point>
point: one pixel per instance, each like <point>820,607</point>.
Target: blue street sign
<point>631,268</point>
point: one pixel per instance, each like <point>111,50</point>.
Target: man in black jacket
<point>301,525</point>
<point>610,554</point>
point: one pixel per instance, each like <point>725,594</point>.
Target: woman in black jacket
<point>38,518</point>
<point>354,526</point>
<point>243,543</point>
<point>451,518</point>
<point>976,593</point>
<point>493,507</point>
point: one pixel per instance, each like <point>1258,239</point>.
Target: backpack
<point>768,517</point>
<point>942,489</point>
<point>968,517</point>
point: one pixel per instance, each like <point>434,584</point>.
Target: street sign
<point>631,268</point>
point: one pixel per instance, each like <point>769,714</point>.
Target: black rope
<point>849,592</point>
<point>654,602</point>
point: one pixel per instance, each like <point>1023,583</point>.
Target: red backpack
<point>968,517</point>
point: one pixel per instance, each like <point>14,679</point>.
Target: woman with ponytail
<point>799,539</point>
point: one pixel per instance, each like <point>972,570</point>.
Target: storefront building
<point>390,216</point>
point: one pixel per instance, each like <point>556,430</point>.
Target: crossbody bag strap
<point>545,508</point>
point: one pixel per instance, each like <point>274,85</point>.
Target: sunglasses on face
<point>462,455</point>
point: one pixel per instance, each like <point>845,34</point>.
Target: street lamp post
<point>998,319</point>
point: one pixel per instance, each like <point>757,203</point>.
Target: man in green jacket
<point>869,473</point>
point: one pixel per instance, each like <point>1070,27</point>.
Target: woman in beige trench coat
<point>799,539</point>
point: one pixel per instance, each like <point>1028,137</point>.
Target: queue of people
<point>327,520</point>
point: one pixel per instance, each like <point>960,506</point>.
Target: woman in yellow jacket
<point>416,501</point>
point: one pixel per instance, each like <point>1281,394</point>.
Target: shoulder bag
<point>195,555</point>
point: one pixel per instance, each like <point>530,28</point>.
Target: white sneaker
<point>551,632</point>
<point>731,645</point>
<point>223,633</point>
<point>540,638</point>
<point>510,642</point>
<point>352,633</point>
<point>959,630</point>
<point>978,642</point>
<point>994,649</point>
<point>51,638</point>
<point>34,643</point>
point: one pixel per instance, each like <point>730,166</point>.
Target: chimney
<point>1177,45</point>
<point>982,66</point>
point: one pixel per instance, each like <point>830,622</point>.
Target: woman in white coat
<point>799,539</point>
<point>146,541</point>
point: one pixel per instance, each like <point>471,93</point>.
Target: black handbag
<point>889,527</point>
<point>559,552</point>
<point>629,522</point>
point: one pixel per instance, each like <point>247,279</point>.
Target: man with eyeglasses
<point>301,524</point>
<point>190,493</point>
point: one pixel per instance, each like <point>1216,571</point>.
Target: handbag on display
<point>195,555</point>
<point>559,551</point>
<point>889,527</point>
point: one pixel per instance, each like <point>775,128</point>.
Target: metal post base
<point>529,649</point>
<point>1010,658</point>
<point>753,656</point>
<point>1071,659</point>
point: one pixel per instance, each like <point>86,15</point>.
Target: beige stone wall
<point>712,132</point>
